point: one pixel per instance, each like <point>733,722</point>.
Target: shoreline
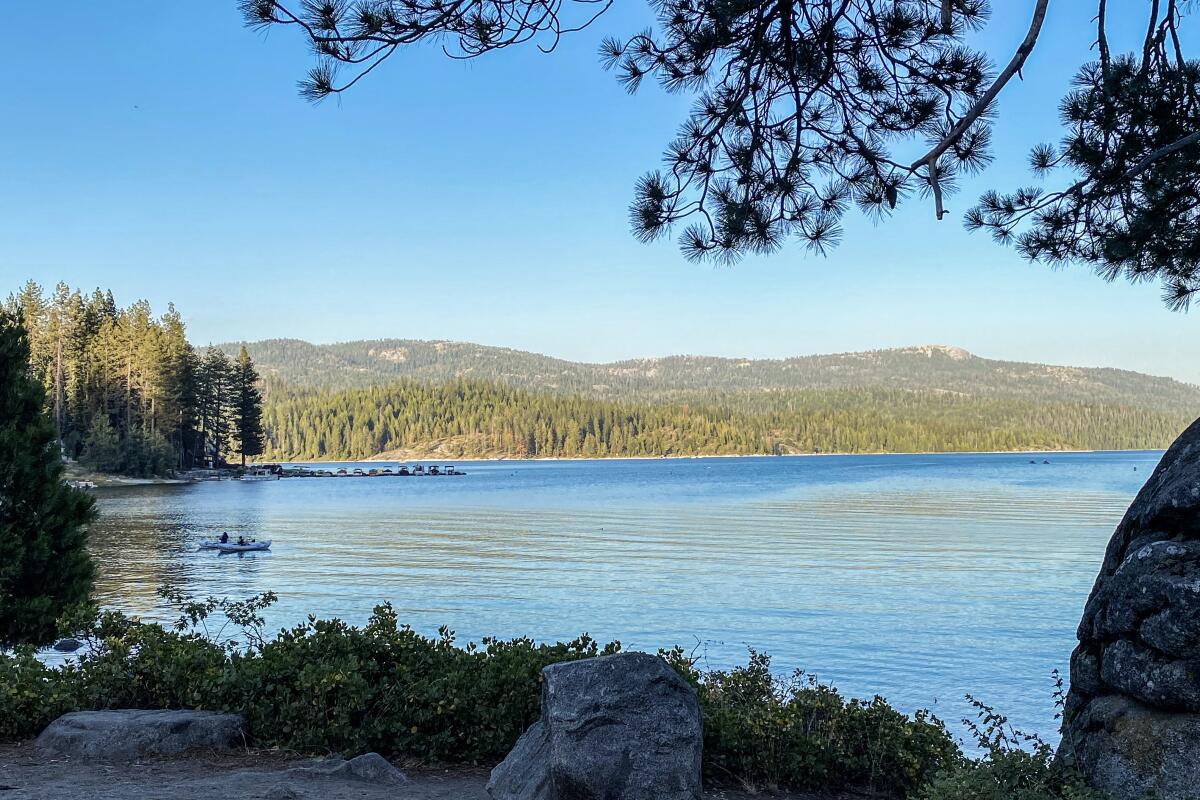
<point>387,458</point>
<point>107,480</point>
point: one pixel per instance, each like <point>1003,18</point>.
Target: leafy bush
<point>325,685</point>
<point>384,687</point>
<point>800,734</point>
<point>320,686</point>
<point>31,694</point>
<point>1015,766</point>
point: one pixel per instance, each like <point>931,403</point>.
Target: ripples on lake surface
<point>918,577</point>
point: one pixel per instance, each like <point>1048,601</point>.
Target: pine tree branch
<point>929,160</point>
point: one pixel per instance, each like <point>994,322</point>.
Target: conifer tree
<point>215,406</point>
<point>249,407</point>
<point>102,448</point>
<point>44,563</point>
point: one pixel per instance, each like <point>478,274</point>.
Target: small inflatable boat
<point>234,547</point>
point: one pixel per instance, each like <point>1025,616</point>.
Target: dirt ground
<point>27,774</point>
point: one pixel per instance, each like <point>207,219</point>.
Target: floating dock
<point>358,472</point>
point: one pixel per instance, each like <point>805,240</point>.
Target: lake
<point>918,577</point>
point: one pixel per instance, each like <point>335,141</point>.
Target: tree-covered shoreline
<point>477,419</point>
<point>129,394</point>
<point>127,391</point>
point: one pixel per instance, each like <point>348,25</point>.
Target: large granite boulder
<point>130,734</point>
<point>1132,721</point>
<point>621,727</point>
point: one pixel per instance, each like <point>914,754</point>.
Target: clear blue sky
<point>160,149</point>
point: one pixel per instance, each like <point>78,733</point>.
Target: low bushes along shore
<point>329,686</point>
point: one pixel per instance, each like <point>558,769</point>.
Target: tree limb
<point>1014,66</point>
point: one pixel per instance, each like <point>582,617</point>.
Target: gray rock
<point>525,771</point>
<point>621,727</point>
<point>1132,721</point>
<point>130,734</point>
<point>369,768</point>
<point>281,791</point>
<point>1132,668</point>
<point>1130,750</point>
<point>67,645</point>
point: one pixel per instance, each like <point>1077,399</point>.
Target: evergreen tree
<point>215,405</point>
<point>44,563</point>
<point>249,407</point>
<point>102,448</point>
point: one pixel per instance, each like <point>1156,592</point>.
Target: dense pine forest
<point>128,393</point>
<point>467,418</point>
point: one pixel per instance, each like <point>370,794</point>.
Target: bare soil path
<point>28,774</point>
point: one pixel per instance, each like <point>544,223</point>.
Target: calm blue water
<point>918,577</point>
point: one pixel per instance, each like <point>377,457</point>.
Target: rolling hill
<point>299,365</point>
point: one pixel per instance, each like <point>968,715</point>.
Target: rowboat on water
<point>248,547</point>
<point>234,547</point>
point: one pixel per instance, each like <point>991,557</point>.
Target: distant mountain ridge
<point>927,368</point>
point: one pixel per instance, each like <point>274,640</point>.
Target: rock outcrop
<point>1132,721</point>
<point>130,734</point>
<point>621,727</point>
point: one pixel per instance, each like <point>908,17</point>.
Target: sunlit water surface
<point>918,577</point>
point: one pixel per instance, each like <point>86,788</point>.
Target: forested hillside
<point>129,393</point>
<point>464,418</point>
<point>448,399</point>
<point>935,369</point>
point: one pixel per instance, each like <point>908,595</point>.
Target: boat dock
<point>417,471</point>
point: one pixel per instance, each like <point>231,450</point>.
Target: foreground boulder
<point>127,735</point>
<point>621,727</point>
<point>1132,721</point>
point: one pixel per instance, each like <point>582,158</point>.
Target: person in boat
<point>225,537</point>
<point>241,541</point>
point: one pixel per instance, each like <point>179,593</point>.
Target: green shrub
<point>326,686</point>
<point>1014,766</point>
<point>31,694</point>
<point>800,734</point>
